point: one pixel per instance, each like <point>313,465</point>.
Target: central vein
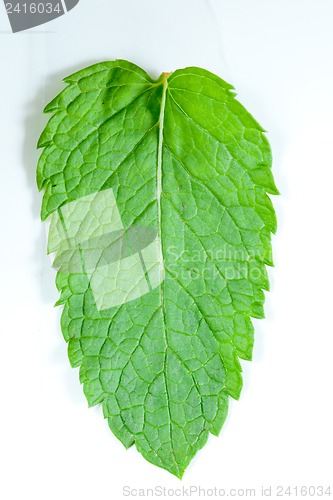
<point>161,257</point>
<point>159,164</point>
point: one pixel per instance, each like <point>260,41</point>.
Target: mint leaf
<point>161,225</point>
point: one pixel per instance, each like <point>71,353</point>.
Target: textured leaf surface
<point>183,156</point>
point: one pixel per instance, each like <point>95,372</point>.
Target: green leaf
<point>157,329</point>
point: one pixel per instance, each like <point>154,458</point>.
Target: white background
<point>279,56</point>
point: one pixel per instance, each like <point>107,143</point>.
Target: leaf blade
<point>184,157</point>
